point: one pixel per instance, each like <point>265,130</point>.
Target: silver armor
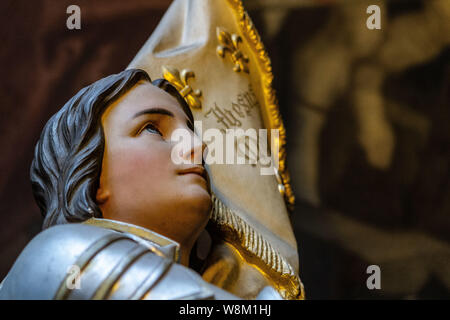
<point>105,259</point>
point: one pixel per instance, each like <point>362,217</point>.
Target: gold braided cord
<point>257,250</point>
<point>249,31</point>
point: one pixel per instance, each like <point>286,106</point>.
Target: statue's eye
<point>152,129</point>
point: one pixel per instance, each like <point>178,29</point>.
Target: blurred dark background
<point>367,114</point>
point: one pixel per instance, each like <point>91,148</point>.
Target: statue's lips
<point>198,170</point>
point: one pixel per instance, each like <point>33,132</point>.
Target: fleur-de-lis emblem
<point>180,81</point>
<point>230,42</point>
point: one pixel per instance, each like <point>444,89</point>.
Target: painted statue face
<point>139,182</point>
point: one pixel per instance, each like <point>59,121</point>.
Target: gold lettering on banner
<point>229,118</point>
<point>239,109</point>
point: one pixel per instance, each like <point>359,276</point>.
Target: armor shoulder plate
<point>78,261</point>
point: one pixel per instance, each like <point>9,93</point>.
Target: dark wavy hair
<point>68,157</point>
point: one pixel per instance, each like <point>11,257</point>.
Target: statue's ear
<point>102,196</point>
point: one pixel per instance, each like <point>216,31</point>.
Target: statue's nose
<point>194,150</point>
